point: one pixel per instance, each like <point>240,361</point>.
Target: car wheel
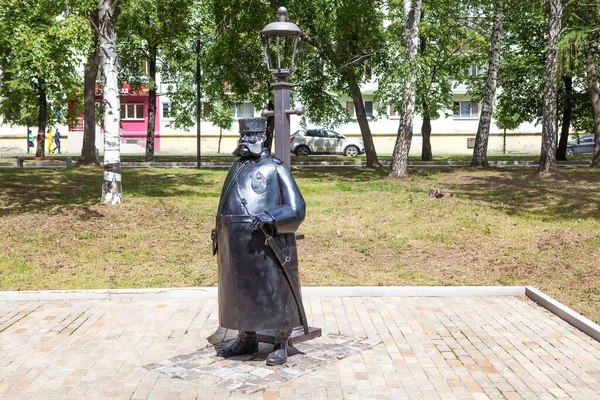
<point>302,151</point>
<point>570,151</point>
<point>351,151</point>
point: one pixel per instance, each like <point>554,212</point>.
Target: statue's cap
<point>252,125</point>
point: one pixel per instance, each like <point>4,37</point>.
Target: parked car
<point>323,141</point>
<point>584,146</point>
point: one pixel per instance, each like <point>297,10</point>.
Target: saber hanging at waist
<point>284,262</point>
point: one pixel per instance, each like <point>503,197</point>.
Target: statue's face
<point>251,144</point>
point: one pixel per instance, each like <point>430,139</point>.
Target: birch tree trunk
<point>412,17</point>
<point>88,148</point>
<point>485,120</point>
<point>112,191</point>
<point>40,151</point>
<point>363,123</point>
<point>151,106</point>
<point>548,152</point>
<point>595,97</point>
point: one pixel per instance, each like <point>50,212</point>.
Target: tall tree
<point>448,45</point>
<point>108,12</point>
<point>341,38</point>
<point>344,36</point>
<point>578,70</point>
<point>90,74</point>
<point>399,166</point>
<point>40,47</point>
<point>548,152</point>
<point>522,72</point>
<point>149,32</point>
<point>592,75</point>
<point>485,119</point>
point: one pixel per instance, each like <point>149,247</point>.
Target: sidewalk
<point>157,346</point>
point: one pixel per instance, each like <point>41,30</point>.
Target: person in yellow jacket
<point>50,140</point>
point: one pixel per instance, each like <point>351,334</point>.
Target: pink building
<point>134,119</point>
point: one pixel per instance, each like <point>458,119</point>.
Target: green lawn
<point>383,158</point>
<point>503,227</point>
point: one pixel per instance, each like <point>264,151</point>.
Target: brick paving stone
<point>479,348</point>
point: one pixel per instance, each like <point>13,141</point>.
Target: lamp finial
<point>282,14</point>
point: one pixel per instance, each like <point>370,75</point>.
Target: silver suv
<point>323,141</point>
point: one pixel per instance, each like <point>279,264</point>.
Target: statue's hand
<point>213,237</point>
<point>260,220</point>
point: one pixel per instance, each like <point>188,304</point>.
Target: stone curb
<point>563,312</point>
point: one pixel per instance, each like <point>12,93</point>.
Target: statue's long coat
<point>254,294</point>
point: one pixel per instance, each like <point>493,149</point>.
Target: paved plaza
<point>157,347</point>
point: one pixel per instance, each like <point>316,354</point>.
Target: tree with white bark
<point>548,164</point>
<point>108,12</point>
<point>485,119</point>
<point>412,17</point>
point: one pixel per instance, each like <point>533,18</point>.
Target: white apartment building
<point>454,134</point>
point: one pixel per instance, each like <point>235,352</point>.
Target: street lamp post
<point>199,44</point>
<point>282,43</point>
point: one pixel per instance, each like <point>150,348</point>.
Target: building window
<point>393,111</point>
<point>352,111</point>
<point>206,109</point>
<point>132,111</point>
<point>465,109</point>
<point>369,108</point>
<point>368,73</point>
<point>474,70</point>
<point>166,110</point>
<point>243,110</point>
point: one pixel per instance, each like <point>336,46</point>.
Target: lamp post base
<point>297,336</point>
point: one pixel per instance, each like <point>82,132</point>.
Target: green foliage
<point>347,37</point>
<point>522,69</point>
<point>41,46</point>
<point>147,30</point>
<point>221,117</point>
<point>341,39</point>
<point>449,42</point>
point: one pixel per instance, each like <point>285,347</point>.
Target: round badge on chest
<point>259,183</point>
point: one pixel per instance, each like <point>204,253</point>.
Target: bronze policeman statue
<point>259,212</point>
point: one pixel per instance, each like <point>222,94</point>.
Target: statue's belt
<point>234,219</point>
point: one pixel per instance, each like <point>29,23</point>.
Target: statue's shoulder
<point>274,159</point>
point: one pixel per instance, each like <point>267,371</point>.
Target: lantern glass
<point>281,44</point>
<point>281,53</point>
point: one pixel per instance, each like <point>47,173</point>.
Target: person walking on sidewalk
<point>50,140</point>
<point>57,140</point>
<point>29,140</point>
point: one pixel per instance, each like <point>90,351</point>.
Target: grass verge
<point>503,227</point>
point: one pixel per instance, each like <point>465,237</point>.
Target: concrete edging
<point>563,312</point>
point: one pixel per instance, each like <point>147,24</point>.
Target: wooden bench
<point>33,158</point>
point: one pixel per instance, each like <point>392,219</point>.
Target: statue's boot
<point>245,343</point>
<point>280,351</point>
